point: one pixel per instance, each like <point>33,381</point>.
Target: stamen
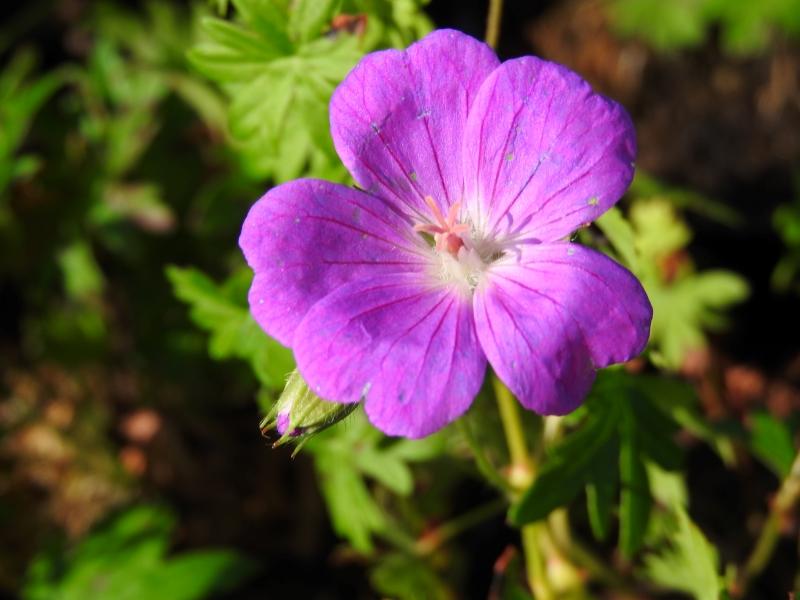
<point>436,212</point>
<point>446,231</point>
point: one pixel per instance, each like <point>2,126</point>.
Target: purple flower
<point>457,251</point>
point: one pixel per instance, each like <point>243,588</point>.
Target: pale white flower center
<point>461,255</point>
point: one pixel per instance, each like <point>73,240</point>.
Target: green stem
<point>788,496</point>
<point>535,562</point>
<point>457,526</point>
<point>521,464</point>
<point>520,477</point>
<point>493,22</point>
<point>582,557</point>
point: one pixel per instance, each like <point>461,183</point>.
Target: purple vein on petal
<point>433,335</point>
<point>415,325</point>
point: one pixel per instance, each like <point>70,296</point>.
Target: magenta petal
<point>408,348</point>
<point>549,316</point>
<point>605,299</point>
<point>306,238</point>
<point>543,154</point>
<point>398,118</point>
<point>534,347</point>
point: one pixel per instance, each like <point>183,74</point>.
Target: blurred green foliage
<point>745,26</point>
<point>223,312</point>
<point>685,303</point>
<point>127,559</point>
<point>786,220</point>
<point>20,99</point>
<point>682,558</point>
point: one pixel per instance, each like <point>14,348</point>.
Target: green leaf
<point>665,25</point>
<point>241,42</point>
<point>354,513</point>
<point>268,18</point>
<point>685,303</point>
<point>659,230</point>
<point>21,97</point>
<point>83,278</point>
<point>646,186</point>
<point>387,469</point>
<point>668,488</point>
<point>279,65</point>
<point>688,563</point>
<point>126,560</point>
<point>407,577</point>
<point>420,450</point>
<point>718,289</point>
<point>635,499</point>
<point>678,400</point>
<point>309,18</point>
<point>568,469</point>
<point>655,431</point>
<point>602,488</point>
<point>279,74</point>
<point>771,441</point>
<point>259,109</point>
<point>621,235</point>
<point>197,575</point>
<point>348,459</point>
<point>233,332</point>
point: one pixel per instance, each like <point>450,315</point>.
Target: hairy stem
<point>493,22</point>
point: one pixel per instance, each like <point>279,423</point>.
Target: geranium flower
<point>455,250</point>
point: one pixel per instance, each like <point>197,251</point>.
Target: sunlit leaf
<point>687,562</point>
<point>771,441</point>
<point>279,63</point>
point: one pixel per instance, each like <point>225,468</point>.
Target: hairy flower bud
<point>299,413</point>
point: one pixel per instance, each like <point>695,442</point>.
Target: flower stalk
<point>493,22</point>
<point>786,499</point>
<point>447,531</point>
<point>521,469</point>
<point>520,475</point>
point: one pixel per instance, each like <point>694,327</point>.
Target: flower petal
<point>607,301</point>
<point>549,316</point>
<point>398,118</point>
<point>544,154</point>
<point>408,348</point>
<point>306,238</point>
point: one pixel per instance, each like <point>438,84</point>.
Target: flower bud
<point>299,413</point>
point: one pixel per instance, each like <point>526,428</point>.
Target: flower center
<point>462,255</point>
<point>446,231</point>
